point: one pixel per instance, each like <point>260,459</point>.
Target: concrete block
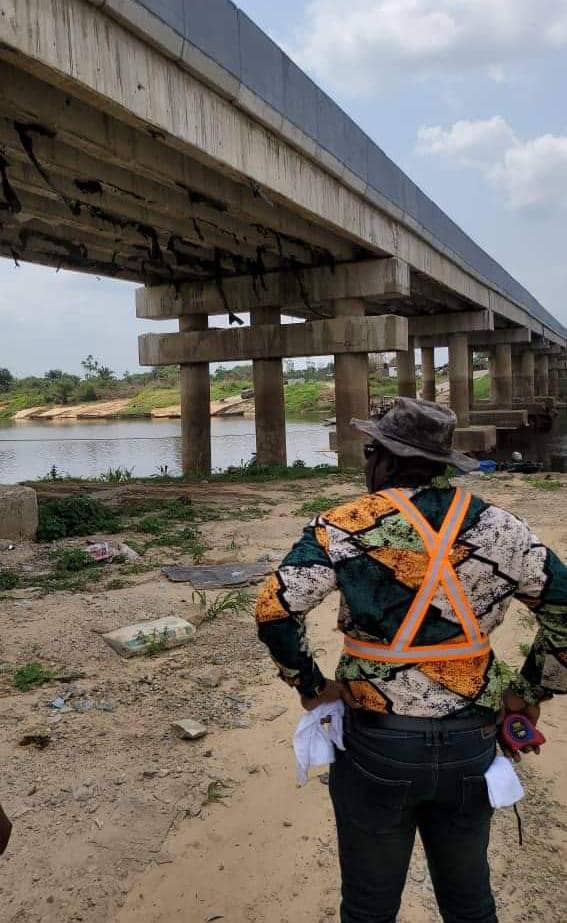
<point>18,513</point>
<point>134,640</point>
<point>301,98</point>
<point>475,439</point>
<point>207,70</point>
<point>188,729</point>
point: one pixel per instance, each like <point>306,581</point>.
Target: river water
<point>28,450</point>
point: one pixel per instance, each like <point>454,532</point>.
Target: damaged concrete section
<point>18,513</point>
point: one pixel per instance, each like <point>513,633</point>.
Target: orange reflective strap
<point>439,572</point>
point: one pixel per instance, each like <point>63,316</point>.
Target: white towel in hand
<point>504,786</point>
<point>313,740</point>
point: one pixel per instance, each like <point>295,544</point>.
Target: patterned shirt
<point>369,552</point>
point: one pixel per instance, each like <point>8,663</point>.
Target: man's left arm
<point>301,582</point>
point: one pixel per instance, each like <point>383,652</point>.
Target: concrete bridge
<point>172,143</point>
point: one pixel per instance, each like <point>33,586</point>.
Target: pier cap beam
<point>387,333</point>
<point>372,280</point>
<point>481,340</point>
<point>433,326</point>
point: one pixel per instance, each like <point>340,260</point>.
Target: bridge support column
<point>541,375</point>
<point>502,381</point>
<point>351,393</point>
<point>195,406</point>
<point>554,385</point>
<point>459,377</point>
<point>471,377</point>
<point>516,377</point>
<point>270,399</point>
<point>526,378</point>
<point>428,390</point>
<point>407,386</point>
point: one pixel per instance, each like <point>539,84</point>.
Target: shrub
<point>8,580</point>
<point>30,675</point>
<point>74,516</point>
<point>71,560</point>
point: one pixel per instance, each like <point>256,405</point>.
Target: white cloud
<point>529,174</point>
<point>362,45</point>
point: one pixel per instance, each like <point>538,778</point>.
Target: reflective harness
<point>440,572</point>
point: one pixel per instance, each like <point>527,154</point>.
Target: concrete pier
<point>429,390</point>
<point>351,393</point>
<point>502,381</point>
<point>407,385</point>
<point>526,377</point>
<point>459,377</point>
<point>195,406</point>
<point>270,399</point>
<point>542,375</point>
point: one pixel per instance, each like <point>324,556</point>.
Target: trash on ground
<point>214,576</point>
<point>105,552</point>
<point>188,729</point>
<point>150,637</point>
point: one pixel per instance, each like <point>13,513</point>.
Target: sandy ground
<point>114,819</point>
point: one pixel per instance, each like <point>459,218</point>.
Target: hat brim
<point>463,462</point>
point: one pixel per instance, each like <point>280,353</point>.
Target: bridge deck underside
<point>85,190</point>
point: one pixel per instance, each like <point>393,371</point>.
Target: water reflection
<point>29,449</point>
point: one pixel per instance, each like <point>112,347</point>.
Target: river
<point>28,450</point>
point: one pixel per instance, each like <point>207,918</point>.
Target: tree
<point>104,373</point>
<point>63,389</point>
<point>54,375</point>
<point>6,380</point>
<point>91,366</point>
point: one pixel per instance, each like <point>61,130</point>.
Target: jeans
<point>388,784</point>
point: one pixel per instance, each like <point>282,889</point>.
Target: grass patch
<point>316,506</point>
<point>546,484</point>
<point>74,516</point>
<point>116,584</point>
<point>217,792</point>
<point>221,389</point>
<point>71,561</point>
<point>249,471</point>
<point>310,397</point>
<point>524,649</point>
<point>30,676</point>
<point>482,388</point>
<point>190,541</point>
<point>156,643</point>
<point>235,602</point>
<point>151,398</point>
<point>386,388</point>
<point>8,580</point>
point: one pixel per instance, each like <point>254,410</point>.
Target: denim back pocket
<point>365,799</point>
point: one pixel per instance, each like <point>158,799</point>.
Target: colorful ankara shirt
<point>369,552</point>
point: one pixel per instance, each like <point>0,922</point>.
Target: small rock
<point>324,778</point>
<point>271,712</point>
<point>150,773</point>
<point>188,729</point>
<point>31,791</point>
<point>241,723</point>
<point>287,823</point>
<point>120,780</point>
<point>253,769</point>
<point>82,793</point>
<point>210,679</point>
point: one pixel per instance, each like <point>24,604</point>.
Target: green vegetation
<point>548,484</point>
<point>524,649</point>
<point>250,471</point>
<point>156,643</point>
<point>151,398</point>
<point>30,676</point>
<point>70,561</point>
<point>235,602</point>
<point>217,792</point>
<point>8,580</point>
<point>482,388</point>
<point>387,387</point>
<point>311,397</point>
<point>315,507</point>
<point>74,516</point>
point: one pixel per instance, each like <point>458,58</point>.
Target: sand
<point>111,819</point>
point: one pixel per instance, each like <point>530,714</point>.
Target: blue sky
<point>467,96</point>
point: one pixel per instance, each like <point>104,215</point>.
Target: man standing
<point>425,575</point>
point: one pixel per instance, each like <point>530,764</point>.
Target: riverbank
<point>117,819</point>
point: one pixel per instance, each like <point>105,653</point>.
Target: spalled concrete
<point>18,513</point>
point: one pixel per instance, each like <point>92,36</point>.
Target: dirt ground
<point>117,819</point>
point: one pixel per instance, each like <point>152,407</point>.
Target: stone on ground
<point>18,513</point>
<point>189,729</point>
<point>150,637</point>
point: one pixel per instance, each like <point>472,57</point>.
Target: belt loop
<point>429,734</point>
<point>445,733</point>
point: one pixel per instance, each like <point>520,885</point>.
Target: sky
<point>465,95</point>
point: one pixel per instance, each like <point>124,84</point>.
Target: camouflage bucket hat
<point>418,429</point>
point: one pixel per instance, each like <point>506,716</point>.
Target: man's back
<point>376,557</point>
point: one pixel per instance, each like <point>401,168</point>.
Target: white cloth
<point>504,786</point>
<point>313,740</point>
